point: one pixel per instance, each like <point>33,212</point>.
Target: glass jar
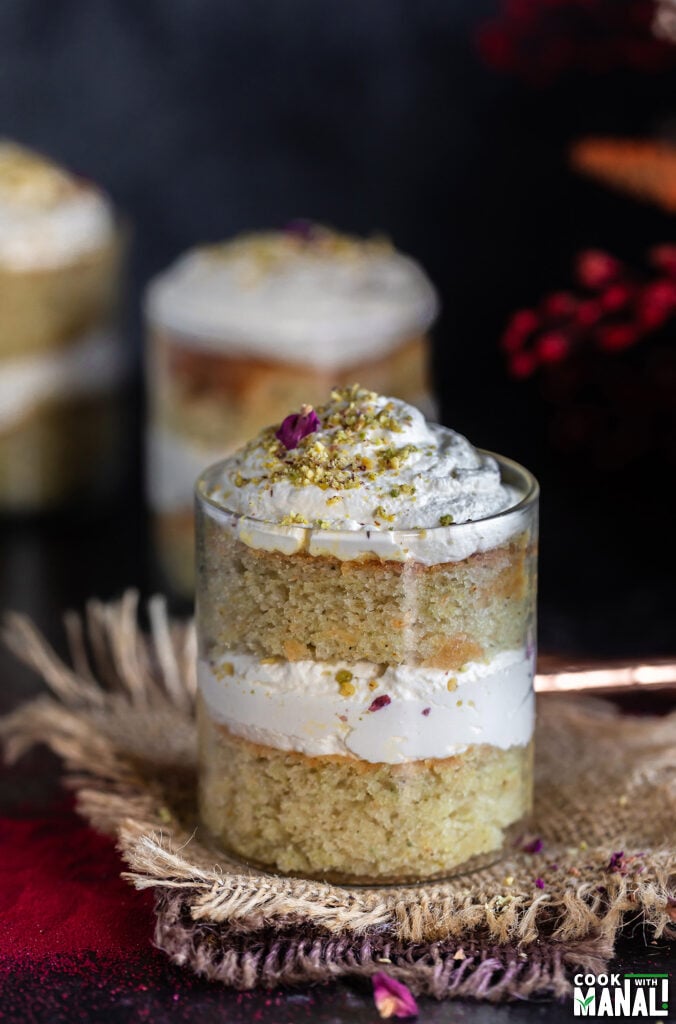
<point>229,351</point>
<point>63,362</point>
<point>366,716</point>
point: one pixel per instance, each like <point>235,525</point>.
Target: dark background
<point>205,118</point>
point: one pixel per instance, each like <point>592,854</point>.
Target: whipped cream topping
<point>373,478</point>
<point>47,216</point>
<point>95,363</point>
<point>312,297</point>
<point>403,713</point>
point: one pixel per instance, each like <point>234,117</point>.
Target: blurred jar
<point>240,332</point>
<point>62,362</point>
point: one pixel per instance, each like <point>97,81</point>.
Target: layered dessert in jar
<point>243,331</point>
<point>62,362</point>
<point>366,616</point>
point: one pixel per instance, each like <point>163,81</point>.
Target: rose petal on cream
<point>298,425</point>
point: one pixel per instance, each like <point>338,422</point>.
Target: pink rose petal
<point>392,997</point>
<point>298,425</point>
<point>380,702</point>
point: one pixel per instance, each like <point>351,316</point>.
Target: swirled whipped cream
<point>364,475</point>
<point>306,295</point>
<point>47,216</point>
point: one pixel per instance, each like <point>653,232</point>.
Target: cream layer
<point>404,713</point>
<point>92,364</point>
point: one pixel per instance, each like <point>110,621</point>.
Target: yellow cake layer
<point>301,606</point>
<point>44,309</point>
<point>348,820</point>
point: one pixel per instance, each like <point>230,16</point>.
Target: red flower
<point>616,308</point>
<point>522,364</point>
<point>552,347</point>
<point>539,41</point>
<point>596,269</point>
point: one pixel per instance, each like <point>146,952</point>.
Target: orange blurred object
<point>555,675</point>
<point>640,167</point>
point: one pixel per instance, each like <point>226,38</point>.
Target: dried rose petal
<point>534,846</point>
<point>539,883</point>
<point>392,997</point>
<point>425,711</point>
<point>380,702</point>
<point>301,228</point>
<point>617,863</point>
<point>298,425</point>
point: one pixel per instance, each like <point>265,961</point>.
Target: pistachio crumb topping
<point>381,513</point>
<point>347,689</point>
<point>352,415</point>
<point>343,675</point>
<point>446,520</point>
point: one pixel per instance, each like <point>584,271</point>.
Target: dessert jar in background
<point>62,360</point>
<point>366,624</point>
<point>239,333</point>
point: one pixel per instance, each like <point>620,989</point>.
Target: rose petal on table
<point>392,997</point>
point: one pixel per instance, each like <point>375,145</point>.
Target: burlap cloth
<point>121,719</point>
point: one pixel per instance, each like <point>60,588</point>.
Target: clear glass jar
<point>63,366</point>
<point>364,716</point>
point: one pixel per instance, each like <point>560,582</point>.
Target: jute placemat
<point>601,858</point>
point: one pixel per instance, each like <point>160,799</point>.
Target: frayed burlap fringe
<point>121,719</point>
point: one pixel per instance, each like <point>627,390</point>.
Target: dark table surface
<point>45,567</point>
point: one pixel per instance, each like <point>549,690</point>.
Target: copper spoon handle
<point>556,676</point>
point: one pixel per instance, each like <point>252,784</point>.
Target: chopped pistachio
<point>445,520</point>
<point>293,519</point>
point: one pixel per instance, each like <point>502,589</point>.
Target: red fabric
<point>61,891</point>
